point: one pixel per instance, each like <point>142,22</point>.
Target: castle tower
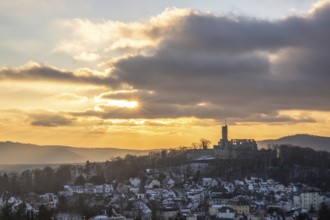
<point>224,139</point>
<point>225,133</point>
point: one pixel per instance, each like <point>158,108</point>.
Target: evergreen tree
<point>7,213</point>
<point>44,213</point>
<point>4,183</point>
<point>80,180</point>
<point>21,212</point>
<point>324,213</point>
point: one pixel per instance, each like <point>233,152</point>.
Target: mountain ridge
<point>316,142</point>
<point>25,153</point>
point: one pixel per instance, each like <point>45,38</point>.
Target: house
<point>68,191</point>
<point>107,188</point>
<point>133,189</point>
<point>215,200</point>
<point>151,193</point>
<point>98,189</point>
<point>241,206</point>
<point>89,188</point>
<point>280,187</point>
<point>137,209</point>
<point>166,213</point>
<point>219,198</point>
<point>68,216</point>
<point>7,198</point>
<point>199,164</point>
<point>48,199</point>
<point>196,198</point>
<point>135,182</point>
<point>191,217</point>
<point>226,212</point>
<point>209,182</point>
<point>154,184</point>
<point>117,218</point>
<point>78,189</point>
<point>307,199</point>
<point>214,209</point>
<point>168,182</point>
<point>100,217</point>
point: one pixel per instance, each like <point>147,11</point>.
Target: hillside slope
<point>18,153</point>
<point>303,140</point>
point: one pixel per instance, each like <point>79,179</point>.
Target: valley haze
<point>14,153</point>
<point>19,153</point>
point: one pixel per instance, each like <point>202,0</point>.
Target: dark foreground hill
<point>18,153</point>
<point>303,140</point>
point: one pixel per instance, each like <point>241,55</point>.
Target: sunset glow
<point>162,75</point>
<point>122,103</point>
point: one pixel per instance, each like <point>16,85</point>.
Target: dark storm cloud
<point>157,110</point>
<point>49,120</point>
<point>225,61</point>
<point>38,72</point>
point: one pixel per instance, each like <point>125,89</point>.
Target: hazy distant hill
<point>18,153</point>
<point>302,140</point>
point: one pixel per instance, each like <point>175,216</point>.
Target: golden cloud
<point>90,40</point>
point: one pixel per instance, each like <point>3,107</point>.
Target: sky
<point>155,74</point>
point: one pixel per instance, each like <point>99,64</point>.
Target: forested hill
<point>18,153</point>
<point>304,140</point>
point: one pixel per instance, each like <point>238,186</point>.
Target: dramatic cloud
<point>38,72</point>
<point>49,120</point>
<point>70,97</point>
<point>92,40</point>
<point>240,67</point>
<point>187,63</point>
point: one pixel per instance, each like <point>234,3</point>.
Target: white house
<point>226,212</point>
<point>135,182</point>
<point>306,200</point>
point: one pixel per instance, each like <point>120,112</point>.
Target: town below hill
<point>293,183</point>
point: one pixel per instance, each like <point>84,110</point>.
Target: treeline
<point>21,213</point>
<point>304,165</point>
<point>119,168</point>
<point>294,155</point>
<point>284,163</point>
<point>37,180</point>
<point>131,166</point>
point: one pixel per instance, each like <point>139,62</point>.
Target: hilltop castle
<point>227,149</point>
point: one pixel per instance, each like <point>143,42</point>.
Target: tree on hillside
<point>7,213</point>
<point>324,212</point>
<point>4,183</point>
<point>205,144</point>
<point>80,180</point>
<point>97,180</point>
<point>21,212</point>
<point>44,213</point>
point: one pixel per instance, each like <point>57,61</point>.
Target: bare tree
<point>204,143</point>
